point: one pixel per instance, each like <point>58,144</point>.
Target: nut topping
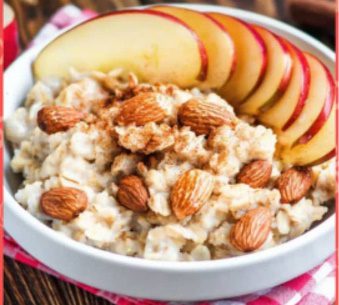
<point>64,203</point>
<point>191,192</point>
<point>251,230</point>
<point>132,194</point>
<point>140,110</point>
<point>294,184</point>
<point>52,119</point>
<point>256,174</point>
<point>203,117</point>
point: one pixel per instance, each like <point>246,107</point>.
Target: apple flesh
<point>324,113</point>
<point>251,56</point>
<point>277,75</point>
<point>317,106</point>
<point>286,109</point>
<point>156,46</point>
<point>317,150</point>
<point>325,158</point>
<point>219,45</point>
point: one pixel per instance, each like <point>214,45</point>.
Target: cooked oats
<point>96,153</point>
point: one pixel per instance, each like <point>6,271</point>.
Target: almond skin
<point>251,230</point>
<point>52,119</point>
<point>191,192</point>
<point>140,110</point>
<point>132,194</point>
<point>203,117</point>
<point>256,174</point>
<point>294,184</point>
<point>64,203</point>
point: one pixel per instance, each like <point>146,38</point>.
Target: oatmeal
<point>157,172</point>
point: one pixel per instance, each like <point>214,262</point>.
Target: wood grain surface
<point>25,285</point>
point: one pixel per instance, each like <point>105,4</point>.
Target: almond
<point>64,203</point>
<point>203,117</point>
<point>251,230</point>
<point>294,184</point>
<point>191,192</point>
<point>256,174</point>
<point>132,194</point>
<point>52,119</point>
<point>140,110</point>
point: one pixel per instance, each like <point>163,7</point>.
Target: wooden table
<point>25,285</point>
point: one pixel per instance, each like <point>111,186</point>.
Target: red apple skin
<point>158,8</point>
<point>298,58</point>
<point>325,158</point>
<point>262,46</point>
<point>264,51</point>
<point>325,112</point>
<point>225,30</point>
<point>305,88</point>
<point>288,73</point>
<point>283,84</point>
<point>316,151</point>
<point>203,53</point>
<point>285,79</point>
<point>202,50</point>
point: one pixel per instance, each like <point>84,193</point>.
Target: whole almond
<point>140,110</point>
<point>133,194</point>
<point>294,184</point>
<point>256,174</point>
<point>191,192</point>
<point>251,231</point>
<point>203,117</point>
<point>64,203</point>
<point>52,119</point>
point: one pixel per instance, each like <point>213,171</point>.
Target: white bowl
<point>185,281</point>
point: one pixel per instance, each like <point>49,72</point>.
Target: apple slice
<point>317,106</point>
<point>219,46</point>
<point>156,46</point>
<point>323,115</point>
<point>325,158</point>
<point>319,149</point>
<point>284,111</point>
<point>251,59</point>
<point>277,75</point>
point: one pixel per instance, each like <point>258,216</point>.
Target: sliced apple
<point>251,59</point>
<point>284,111</point>
<point>319,149</point>
<point>277,75</point>
<point>323,115</point>
<point>317,106</point>
<point>219,46</point>
<point>325,158</point>
<point>156,46</point>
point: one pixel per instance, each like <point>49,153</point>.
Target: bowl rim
<point>310,236</point>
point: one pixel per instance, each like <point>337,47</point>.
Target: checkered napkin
<point>316,287</point>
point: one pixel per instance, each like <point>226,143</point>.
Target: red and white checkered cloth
<point>316,287</point>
